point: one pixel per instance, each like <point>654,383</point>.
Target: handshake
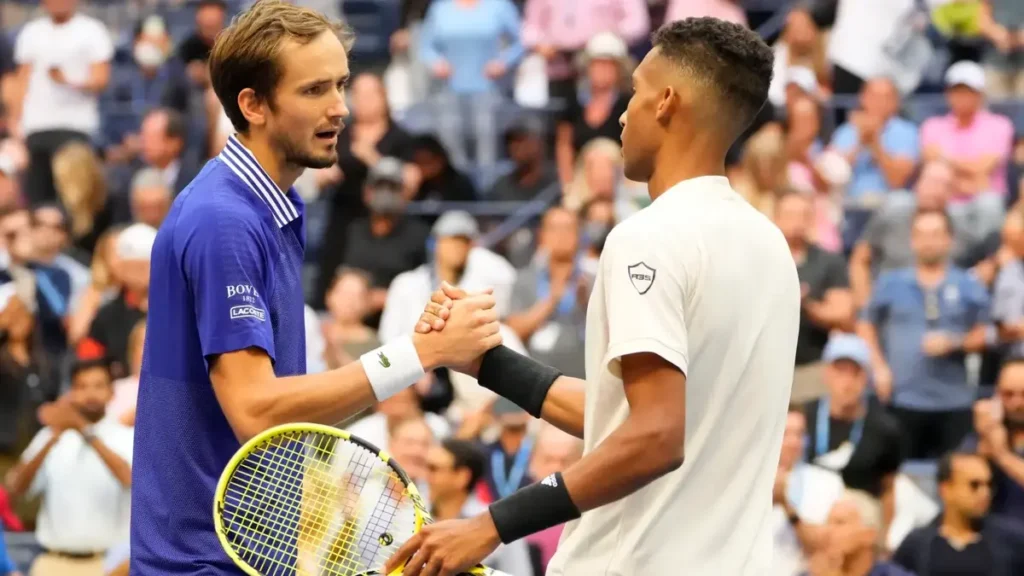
<point>456,329</point>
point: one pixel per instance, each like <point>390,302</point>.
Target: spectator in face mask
<point>385,243</point>
<point>136,89</point>
<point>598,217</point>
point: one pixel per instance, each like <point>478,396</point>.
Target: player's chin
<point>318,160</point>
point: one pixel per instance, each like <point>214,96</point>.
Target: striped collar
<point>244,164</point>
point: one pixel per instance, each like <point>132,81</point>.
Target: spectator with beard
<point>81,465</point>
<point>920,324</point>
<point>999,436</point>
<point>965,540</point>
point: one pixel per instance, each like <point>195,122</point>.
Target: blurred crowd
<point>483,150</point>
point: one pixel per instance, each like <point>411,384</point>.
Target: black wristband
<point>533,509</point>
<point>516,377</point>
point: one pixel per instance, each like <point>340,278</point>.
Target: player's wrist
<point>393,367</point>
<point>518,378</point>
<point>533,509</point>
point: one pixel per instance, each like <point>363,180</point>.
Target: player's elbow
<point>662,447</point>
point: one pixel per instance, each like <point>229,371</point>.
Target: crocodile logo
<point>383,360</point>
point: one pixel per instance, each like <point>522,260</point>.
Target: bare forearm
<point>565,404</point>
<point>832,313</point>
<point>896,170</point>
<point>529,321</point>
<point>1011,464</point>
<point>867,331</point>
<point>975,340</point>
<point>117,465</point>
<point>636,454</point>
<point>860,276</point>
<point>21,477</point>
<point>325,398</point>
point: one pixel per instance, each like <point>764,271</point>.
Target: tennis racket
<point>313,500</point>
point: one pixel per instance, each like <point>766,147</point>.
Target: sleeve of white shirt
<point>101,49</point>
<point>24,44</point>
<point>645,290</point>
<point>120,440</point>
<point>33,449</point>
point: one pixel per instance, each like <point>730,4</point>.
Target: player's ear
<point>668,104</point>
<point>252,107</point>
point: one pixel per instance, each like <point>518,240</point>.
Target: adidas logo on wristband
<point>550,481</point>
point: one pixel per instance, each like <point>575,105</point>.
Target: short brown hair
<point>245,54</point>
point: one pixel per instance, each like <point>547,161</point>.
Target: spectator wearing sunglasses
<point>965,539</point>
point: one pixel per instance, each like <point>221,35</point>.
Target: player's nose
<point>622,120</point>
<point>338,109</point>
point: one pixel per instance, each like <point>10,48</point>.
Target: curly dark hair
<point>723,57</point>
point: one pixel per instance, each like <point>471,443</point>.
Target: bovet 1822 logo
<point>641,276</point>
<point>247,311</point>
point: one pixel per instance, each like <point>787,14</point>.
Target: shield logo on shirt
<point>642,277</point>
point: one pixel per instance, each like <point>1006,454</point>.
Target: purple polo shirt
<point>225,276</point>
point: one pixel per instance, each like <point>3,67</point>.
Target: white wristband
<point>392,368</point>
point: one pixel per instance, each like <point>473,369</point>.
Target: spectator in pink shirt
<point>728,10</point>
<point>977,143</point>
<point>558,29</point>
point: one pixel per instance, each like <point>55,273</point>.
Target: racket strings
<point>310,503</point>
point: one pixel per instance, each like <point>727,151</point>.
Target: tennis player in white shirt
<point>690,344</point>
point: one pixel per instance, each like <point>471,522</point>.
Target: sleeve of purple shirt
<point>226,258</point>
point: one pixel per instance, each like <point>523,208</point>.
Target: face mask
<point>386,202</point>
<point>596,233</point>
<point>149,55</point>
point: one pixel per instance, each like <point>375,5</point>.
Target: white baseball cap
<point>966,73</point>
<point>606,45</point>
<point>135,242</point>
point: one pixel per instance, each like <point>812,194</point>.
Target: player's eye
<point>314,90</point>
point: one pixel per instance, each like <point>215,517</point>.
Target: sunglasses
<point>976,485</point>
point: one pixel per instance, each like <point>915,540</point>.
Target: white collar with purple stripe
<point>243,163</point>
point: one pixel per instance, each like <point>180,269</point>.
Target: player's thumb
<point>452,292</point>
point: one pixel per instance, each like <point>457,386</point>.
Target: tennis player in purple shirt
<point>225,351</point>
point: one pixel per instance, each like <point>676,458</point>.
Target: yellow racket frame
<point>422,516</point>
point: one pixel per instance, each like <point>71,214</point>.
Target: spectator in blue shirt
<point>882,150</point>
<point>470,47</point>
<point>920,324</point>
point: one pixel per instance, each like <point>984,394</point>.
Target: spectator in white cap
<point>976,142</point>
<point>111,328</point>
<point>605,68</point>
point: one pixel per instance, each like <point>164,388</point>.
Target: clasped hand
<point>465,326</point>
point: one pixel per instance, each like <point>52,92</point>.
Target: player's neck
<point>449,508</point>
<point>281,172</point>
<point>677,162</point>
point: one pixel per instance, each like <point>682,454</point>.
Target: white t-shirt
<point>705,281</point>
<point>73,47</point>
<point>85,508</point>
